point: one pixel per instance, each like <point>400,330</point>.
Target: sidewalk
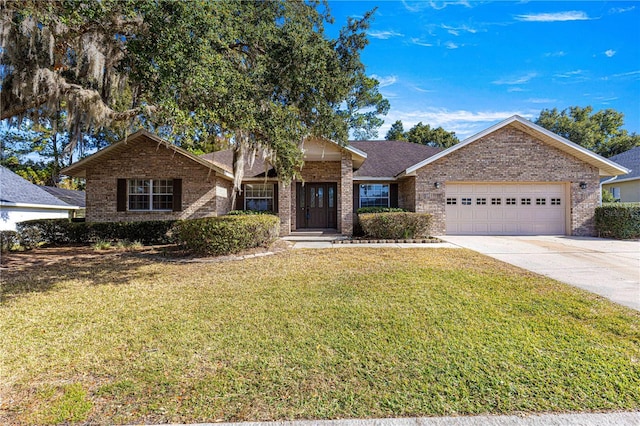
<point>585,419</point>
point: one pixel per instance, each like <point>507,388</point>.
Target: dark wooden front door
<point>317,205</point>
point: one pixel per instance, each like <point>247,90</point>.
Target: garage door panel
<point>506,209</point>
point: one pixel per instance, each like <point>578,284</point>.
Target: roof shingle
<point>631,160</point>
<point>15,189</point>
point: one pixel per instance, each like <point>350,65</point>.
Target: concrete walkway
<point>587,419</point>
<point>610,268</point>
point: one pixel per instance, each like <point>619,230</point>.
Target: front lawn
<point>321,334</point>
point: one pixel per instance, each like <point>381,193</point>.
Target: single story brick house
<point>514,178</point>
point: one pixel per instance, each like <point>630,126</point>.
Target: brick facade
<point>507,155</point>
<point>203,192</point>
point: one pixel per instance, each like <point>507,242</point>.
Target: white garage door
<point>505,209</point>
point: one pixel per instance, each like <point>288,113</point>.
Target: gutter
<point>38,206</point>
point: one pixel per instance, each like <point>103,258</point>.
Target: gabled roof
<point>314,149</point>
<point>16,191</point>
<point>69,196</point>
<point>79,169</point>
<point>606,167</point>
<point>224,159</point>
<point>631,160</point>
<point>386,159</point>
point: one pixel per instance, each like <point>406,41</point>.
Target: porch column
<point>345,203</point>
<point>284,208</point>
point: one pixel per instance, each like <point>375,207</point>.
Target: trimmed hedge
<point>63,231</point>
<point>618,220</point>
<point>248,212</point>
<point>226,234</point>
<point>395,225</point>
<point>8,240</point>
<point>380,210</point>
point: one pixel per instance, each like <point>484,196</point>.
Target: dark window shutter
<point>121,195</point>
<point>356,197</point>
<point>177,195</point>
<point>275,198</point>
<point>240,199</point>
<point>393,195</point>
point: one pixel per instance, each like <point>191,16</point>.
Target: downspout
<point>602,183</point>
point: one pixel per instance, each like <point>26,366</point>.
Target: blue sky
<point>467,65</point>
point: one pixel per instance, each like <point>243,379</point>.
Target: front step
<point>318,235</point>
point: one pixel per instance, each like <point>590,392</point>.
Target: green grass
<point>306,334</point>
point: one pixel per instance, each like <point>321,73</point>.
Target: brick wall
<point>145,159</point>
<point>507,155</point>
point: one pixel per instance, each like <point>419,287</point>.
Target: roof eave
<point>79,169</point>
<point>610,168</point>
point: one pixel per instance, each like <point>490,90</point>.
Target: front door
<point>317,205</point>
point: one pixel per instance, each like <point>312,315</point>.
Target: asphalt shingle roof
<point>384,158</point>
<point>390,158</point>
<point>15,189</point>
<point>631,160</point>
<point>69,196</point>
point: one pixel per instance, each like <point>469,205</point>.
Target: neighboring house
<point>21,200</point>
<point>515,178</point>
<point>69,196</point>
<point>626,187</point>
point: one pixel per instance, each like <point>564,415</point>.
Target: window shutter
<point>240,199</point>
<point>356,197</point>
<point>121,195</point>
<point>275,197</point>
<point>177,195</point>
<point>393,195</point>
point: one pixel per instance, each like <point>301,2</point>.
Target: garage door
<point>505,209</point>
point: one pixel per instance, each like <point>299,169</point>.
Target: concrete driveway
<point>610,268</point>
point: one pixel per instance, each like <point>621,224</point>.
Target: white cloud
<point>555,54</point>
<point>419,42</point>
<point>516,80</point>
<point>541,100</point>
<point>421,90</point>
<point>419,6</point>
<point>621,9</point>
<point>627,74</point>
<point>516,89</point>
<point>572,15</point>
<point>569,74</point>
<point>451,45</point>
<point>385,81</point>
<point>609,53</point>
<point>457,30</point>
<point>384,35</point>
<point>464,123</point>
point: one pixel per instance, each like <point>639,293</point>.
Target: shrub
<point>248,212</point>
<point>64,231</point>
<point>8,240</point>
<point>380,210</point>
<point>395,225</point>
<point>618,220</point>
<point>226,234</point>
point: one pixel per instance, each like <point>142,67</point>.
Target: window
<point>496,201</point>
<point>374,195</point>
<point>525,201</point>
<point>541,201</point>
<point>481,201</point>
<point>510,201</point>
<point>465,201</point>
<point>258,196</point>
<point>150,194</point>
<point>615,191</point>
<point>555,201</point>
<point>452,201</point>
